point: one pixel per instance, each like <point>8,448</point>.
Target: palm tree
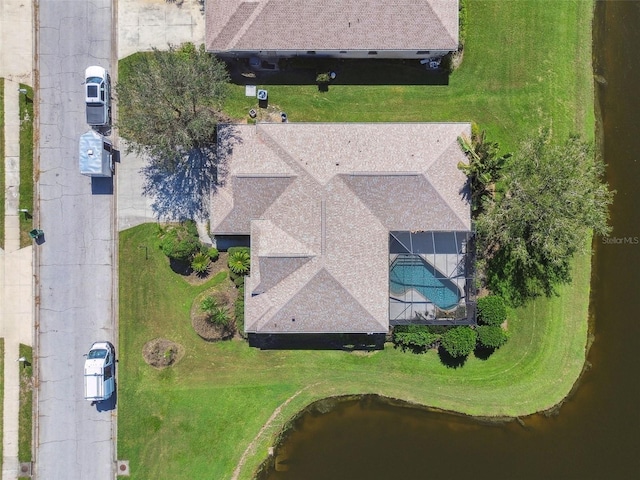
<point>239,262</point>
<point>484,167</point>
<point>216,313</point>
<point>200,263</point>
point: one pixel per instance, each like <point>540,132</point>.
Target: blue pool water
<point>411,272</point>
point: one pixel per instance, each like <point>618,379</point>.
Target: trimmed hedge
<point>417,338</point>
<point>459,341</point>
<point>491,336</point>
<point>491,310</point>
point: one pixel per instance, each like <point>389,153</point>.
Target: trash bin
<point>283,117</point>
<point>36,233</point>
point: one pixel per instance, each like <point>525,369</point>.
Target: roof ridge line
<point>247,24</point>
<point>426,177</point>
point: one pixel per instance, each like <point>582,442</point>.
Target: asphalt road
<point>75,293</point>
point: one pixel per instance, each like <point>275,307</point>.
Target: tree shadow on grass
<point>449,361</point>
<point>181,188</point>
<point>483,353</point>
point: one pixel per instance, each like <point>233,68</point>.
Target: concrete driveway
<point>144,24</point>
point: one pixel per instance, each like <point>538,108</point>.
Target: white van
<point>99,372</point>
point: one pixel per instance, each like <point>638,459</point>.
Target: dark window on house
<point>372,52</point>
<point>311,52</point>
<point>423,52</point>
<point>343,51</point>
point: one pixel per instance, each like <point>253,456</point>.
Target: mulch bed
<point>199,319</point>
<point>161,353</point>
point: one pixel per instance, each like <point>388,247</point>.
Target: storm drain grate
<point>123,467</point>
<point>25,470</point>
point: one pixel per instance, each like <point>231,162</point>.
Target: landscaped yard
<point>526,65</point>
<point>194,420</point>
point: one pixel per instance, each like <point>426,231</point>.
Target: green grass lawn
<point>26,164</point>
<point>527,64</point>
<point>25,414</point>
<point>195,419</point>
<point>2,179</point>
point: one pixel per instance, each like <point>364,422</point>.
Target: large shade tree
<point>170,103</point>
<point>555,194</point>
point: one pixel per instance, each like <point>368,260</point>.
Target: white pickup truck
<point>99,372</point>
<point>97,96</point>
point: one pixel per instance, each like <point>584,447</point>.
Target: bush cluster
<point>417,338</point>
<point>238,308</point>
<point>180,242</point>
<point>490,336</point>
<point>459,341</point>
<point>491,310</point>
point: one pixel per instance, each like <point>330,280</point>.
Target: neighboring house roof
<point>319,201</point>
<point>263,25</point>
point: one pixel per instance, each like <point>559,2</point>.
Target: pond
<point>596,435</point>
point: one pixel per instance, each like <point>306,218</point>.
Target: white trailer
<point>96,156</point>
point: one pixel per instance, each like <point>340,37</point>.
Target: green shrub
<point>216,313</point>
<point>459,341</point>
<point>239,262</point>
<point>491,336</point>
<point>233,250</point>
<point>208,304</point>
<point>239,281</point>
<point>200,262</point>
<point>323,77</point>
<point>491,310</point>
<point>181,241</point>
<point>238,308</point>
<point>417,338</point>
<point>213,254</point>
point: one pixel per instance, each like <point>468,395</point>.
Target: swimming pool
<point>412,272</point>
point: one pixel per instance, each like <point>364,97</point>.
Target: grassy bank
<point>25,415</point>
<point>526,65</point>
<point>26,164</point>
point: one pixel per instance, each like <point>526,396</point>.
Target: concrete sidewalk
<point>16,265</point>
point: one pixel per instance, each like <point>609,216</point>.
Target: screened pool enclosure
<point>430,278</point>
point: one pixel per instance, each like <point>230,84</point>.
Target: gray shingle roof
<point>331,25</point>
<point>319,201</point>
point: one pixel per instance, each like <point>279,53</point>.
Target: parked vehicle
<point>96,155</point>
<point>99,372</point>
<point>97,96</point>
